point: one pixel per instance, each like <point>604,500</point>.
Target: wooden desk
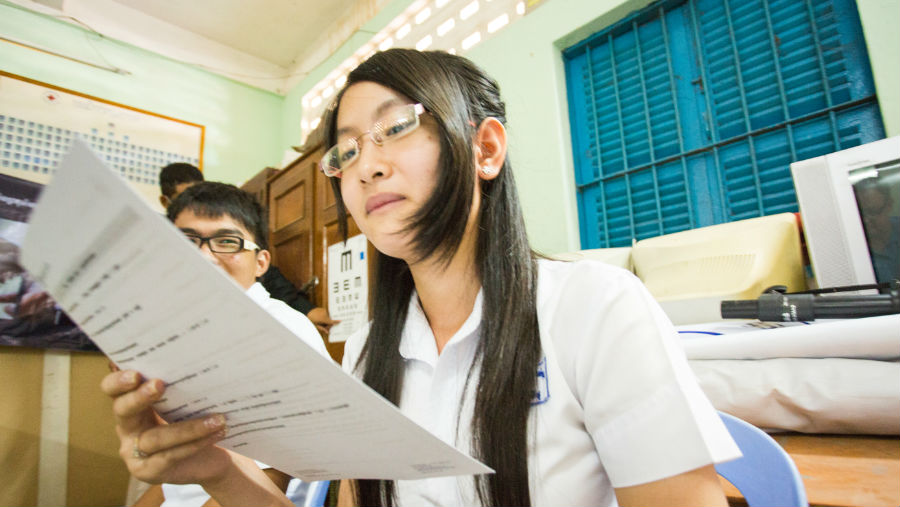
<point>843,470</point>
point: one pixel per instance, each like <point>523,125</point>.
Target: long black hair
<point>459,96</point>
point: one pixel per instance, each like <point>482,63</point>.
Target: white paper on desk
<point>152,303</point>
<point>865,338</point>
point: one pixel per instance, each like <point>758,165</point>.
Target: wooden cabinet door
<point>291,214</point>
<point>327,232</point>
<point>258,185</point>
<point>303,223</point>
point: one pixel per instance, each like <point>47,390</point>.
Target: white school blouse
<point>616,404</point>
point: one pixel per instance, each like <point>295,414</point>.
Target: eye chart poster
<point>38,122</point>
<point>348,288</point>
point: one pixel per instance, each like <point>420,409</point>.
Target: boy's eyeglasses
<point>397,124</point>
<point>223,243</point>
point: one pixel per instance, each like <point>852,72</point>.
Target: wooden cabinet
<point>303,223</point>
<point>291,197</point>
<point>259,184</point>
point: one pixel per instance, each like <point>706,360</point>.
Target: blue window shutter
<point>623,97</point>
<point>686,114</point>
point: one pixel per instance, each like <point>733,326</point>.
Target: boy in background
<point>175,178</point>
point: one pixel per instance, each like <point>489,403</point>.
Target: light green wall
<point>880,19</point>
<point>526,60</point>
<point>293,108</point>
<point>243,124</point>
<point>532,80</point>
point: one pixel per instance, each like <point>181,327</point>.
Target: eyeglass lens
<point>220,244</point>
<point>344,154</point>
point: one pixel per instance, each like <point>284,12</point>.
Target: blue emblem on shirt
<point>542,393</point>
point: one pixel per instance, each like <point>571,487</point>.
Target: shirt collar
<point>258,293</point>
<point>417,341</point>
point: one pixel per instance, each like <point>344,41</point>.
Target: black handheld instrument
<point>775,305</point>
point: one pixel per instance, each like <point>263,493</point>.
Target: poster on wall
<point>348,287</point>
<point>38,122</point>
<point>29,317</point>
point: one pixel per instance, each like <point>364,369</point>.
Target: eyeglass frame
<point>244,244</point>
<point>378,128</point>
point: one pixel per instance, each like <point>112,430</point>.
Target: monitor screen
<point>877,192</point>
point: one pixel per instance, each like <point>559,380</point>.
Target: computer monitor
<point>850,208</point>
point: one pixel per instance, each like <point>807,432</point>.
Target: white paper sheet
<point>151,302</point>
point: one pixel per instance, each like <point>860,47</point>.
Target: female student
<point>565,378</point>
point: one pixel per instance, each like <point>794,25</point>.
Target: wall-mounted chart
<point>38,122</point>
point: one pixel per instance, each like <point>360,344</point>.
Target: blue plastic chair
<point>766,475</point>
<point>315,495</point>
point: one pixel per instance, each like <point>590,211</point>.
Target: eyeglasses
<point>223,243</point>
<point>399,123</point>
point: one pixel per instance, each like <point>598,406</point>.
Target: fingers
<point>186,434</point>
<point>153,450</point>
<point>134,407</point>
<point>119,382</point>
<point>164,459</point>
<point>181,462</point>
<point>133,399</point>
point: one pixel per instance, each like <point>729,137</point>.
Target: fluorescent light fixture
<point>423,43</point>
<point>440,3</point>
<point>452,51</point>
<point>316,101</point>
<point>520,8</point>
<point>471,40</point>
<point>315,122</point>
<point>304,124</point>
<point>403,31</point>
<point>468,10</point>
<point>498,23</point>
<point>445,27</point>
<point>423,15</point>
<point>386,44</point>
<point>327,92</point>
<point>339,82</point>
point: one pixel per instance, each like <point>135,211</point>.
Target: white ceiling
<point>271,44</point>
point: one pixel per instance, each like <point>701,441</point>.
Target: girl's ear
<point>490,148</point>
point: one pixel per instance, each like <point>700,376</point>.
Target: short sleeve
<point>622,360</point>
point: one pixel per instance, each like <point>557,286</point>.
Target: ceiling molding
<point>120,20</point>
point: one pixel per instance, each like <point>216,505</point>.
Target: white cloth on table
<point>827,395</point>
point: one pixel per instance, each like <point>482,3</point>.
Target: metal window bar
<point>780,81</point>
<point>590,73</point>
<point>615,81</point>
<point>650,141</point>
<point>823,73</point>
<point>683,160</point>
<point>739,76</point>
<point>710,113</point>
<point>763,130</point>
